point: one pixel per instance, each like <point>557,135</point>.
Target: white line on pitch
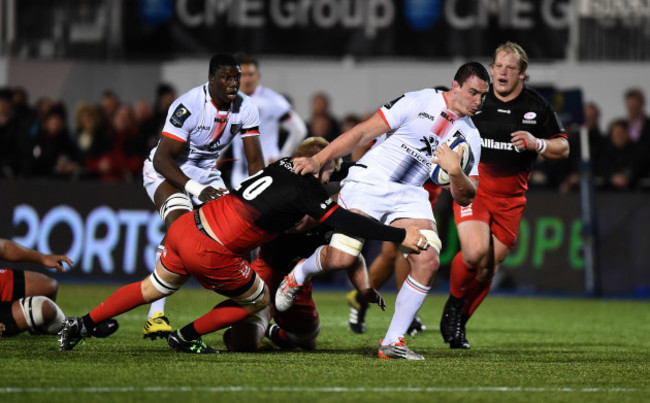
<point>332,389</point>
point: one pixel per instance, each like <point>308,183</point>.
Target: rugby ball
<point>456,142</point>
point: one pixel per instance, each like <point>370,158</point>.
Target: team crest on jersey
<point>179,116</point>
<point>529,118</point>
<point>390,104</point>
<point>235,128</point>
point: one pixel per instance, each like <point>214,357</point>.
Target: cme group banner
<point>111,231</point>
<point>408,28</point>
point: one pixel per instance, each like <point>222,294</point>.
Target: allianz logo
<point>497,145</point>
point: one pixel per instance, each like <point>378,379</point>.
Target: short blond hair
<point>512,47</point>
<point>312,146</point>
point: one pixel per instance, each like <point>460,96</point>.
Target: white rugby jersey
<point>196,121</point>
<point>271,106</point>
<point>419,121</point>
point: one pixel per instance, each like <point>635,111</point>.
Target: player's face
<point>250,76</point>
<point>224,85</point>
<point>506,74</point>
<point>469,96</point>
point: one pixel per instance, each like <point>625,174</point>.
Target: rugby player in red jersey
<point>516,125</point>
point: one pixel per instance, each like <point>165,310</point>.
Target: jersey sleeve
<point>396,112</point>
<point>552,124</point>
<point>250,119</point>
<point>180,120</point>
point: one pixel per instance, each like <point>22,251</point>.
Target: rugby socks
<point>308,268</point>
<point>460,276</point>
<point>474,295</point>
<point>157,306</point>
<point>122,300</point>
<point>409,300</point>
<point>221,316</point>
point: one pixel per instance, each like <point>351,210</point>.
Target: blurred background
<point>85,86</point>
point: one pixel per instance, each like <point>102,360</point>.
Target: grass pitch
<point>523,349</point>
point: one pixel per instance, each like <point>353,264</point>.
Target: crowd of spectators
<point>108,141</point>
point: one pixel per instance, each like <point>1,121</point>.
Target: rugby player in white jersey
<point>386,184</point>
<point>275,114</point>
<point>181,170</point>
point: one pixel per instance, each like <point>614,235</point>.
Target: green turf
<point>523,349</point>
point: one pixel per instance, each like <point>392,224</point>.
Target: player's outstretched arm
<point>359,135</point>
<point>13,252</point>
<point>364,227</point>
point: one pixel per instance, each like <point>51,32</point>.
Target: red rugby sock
<point>221,316</point>
<point>475,294</point>
<point>460,276</point>
<point>122,300</point>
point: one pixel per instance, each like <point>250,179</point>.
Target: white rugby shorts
<point>386,201</point>
<point>152,179</point>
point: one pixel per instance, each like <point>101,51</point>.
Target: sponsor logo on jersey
<point>390,104</point>
<point>286,163</point>
<point>530,115</point>
<point>504,111</point>
<point>528,121</point>
<point>203,127</point>
<point>245,270</point>
<point>430,144</point>
<point>426,116</point>
<point>326,203</point>
<point>179,116</point>
<point>415,154</point>
<point>497,145</point>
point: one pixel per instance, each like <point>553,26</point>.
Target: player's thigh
<point>40,284</point>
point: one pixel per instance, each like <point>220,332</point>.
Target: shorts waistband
<point>199,225</point>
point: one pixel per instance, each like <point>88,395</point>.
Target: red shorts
<point>300,318</point>
<point>12,285</point>
<point>502,214</point>
<point>189,251</point>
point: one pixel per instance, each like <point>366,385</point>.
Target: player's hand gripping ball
<point>456,142</point>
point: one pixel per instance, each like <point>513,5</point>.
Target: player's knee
<point>42,314</point>
<point>176,205</point>
<point>257,299</point>
<point>473,256</point>
<point>336,259</point>
<point>154,287</point>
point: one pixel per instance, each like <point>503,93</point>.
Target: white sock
<point>308,268</point>
<point>159,305</point>
<point>409,300</point>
